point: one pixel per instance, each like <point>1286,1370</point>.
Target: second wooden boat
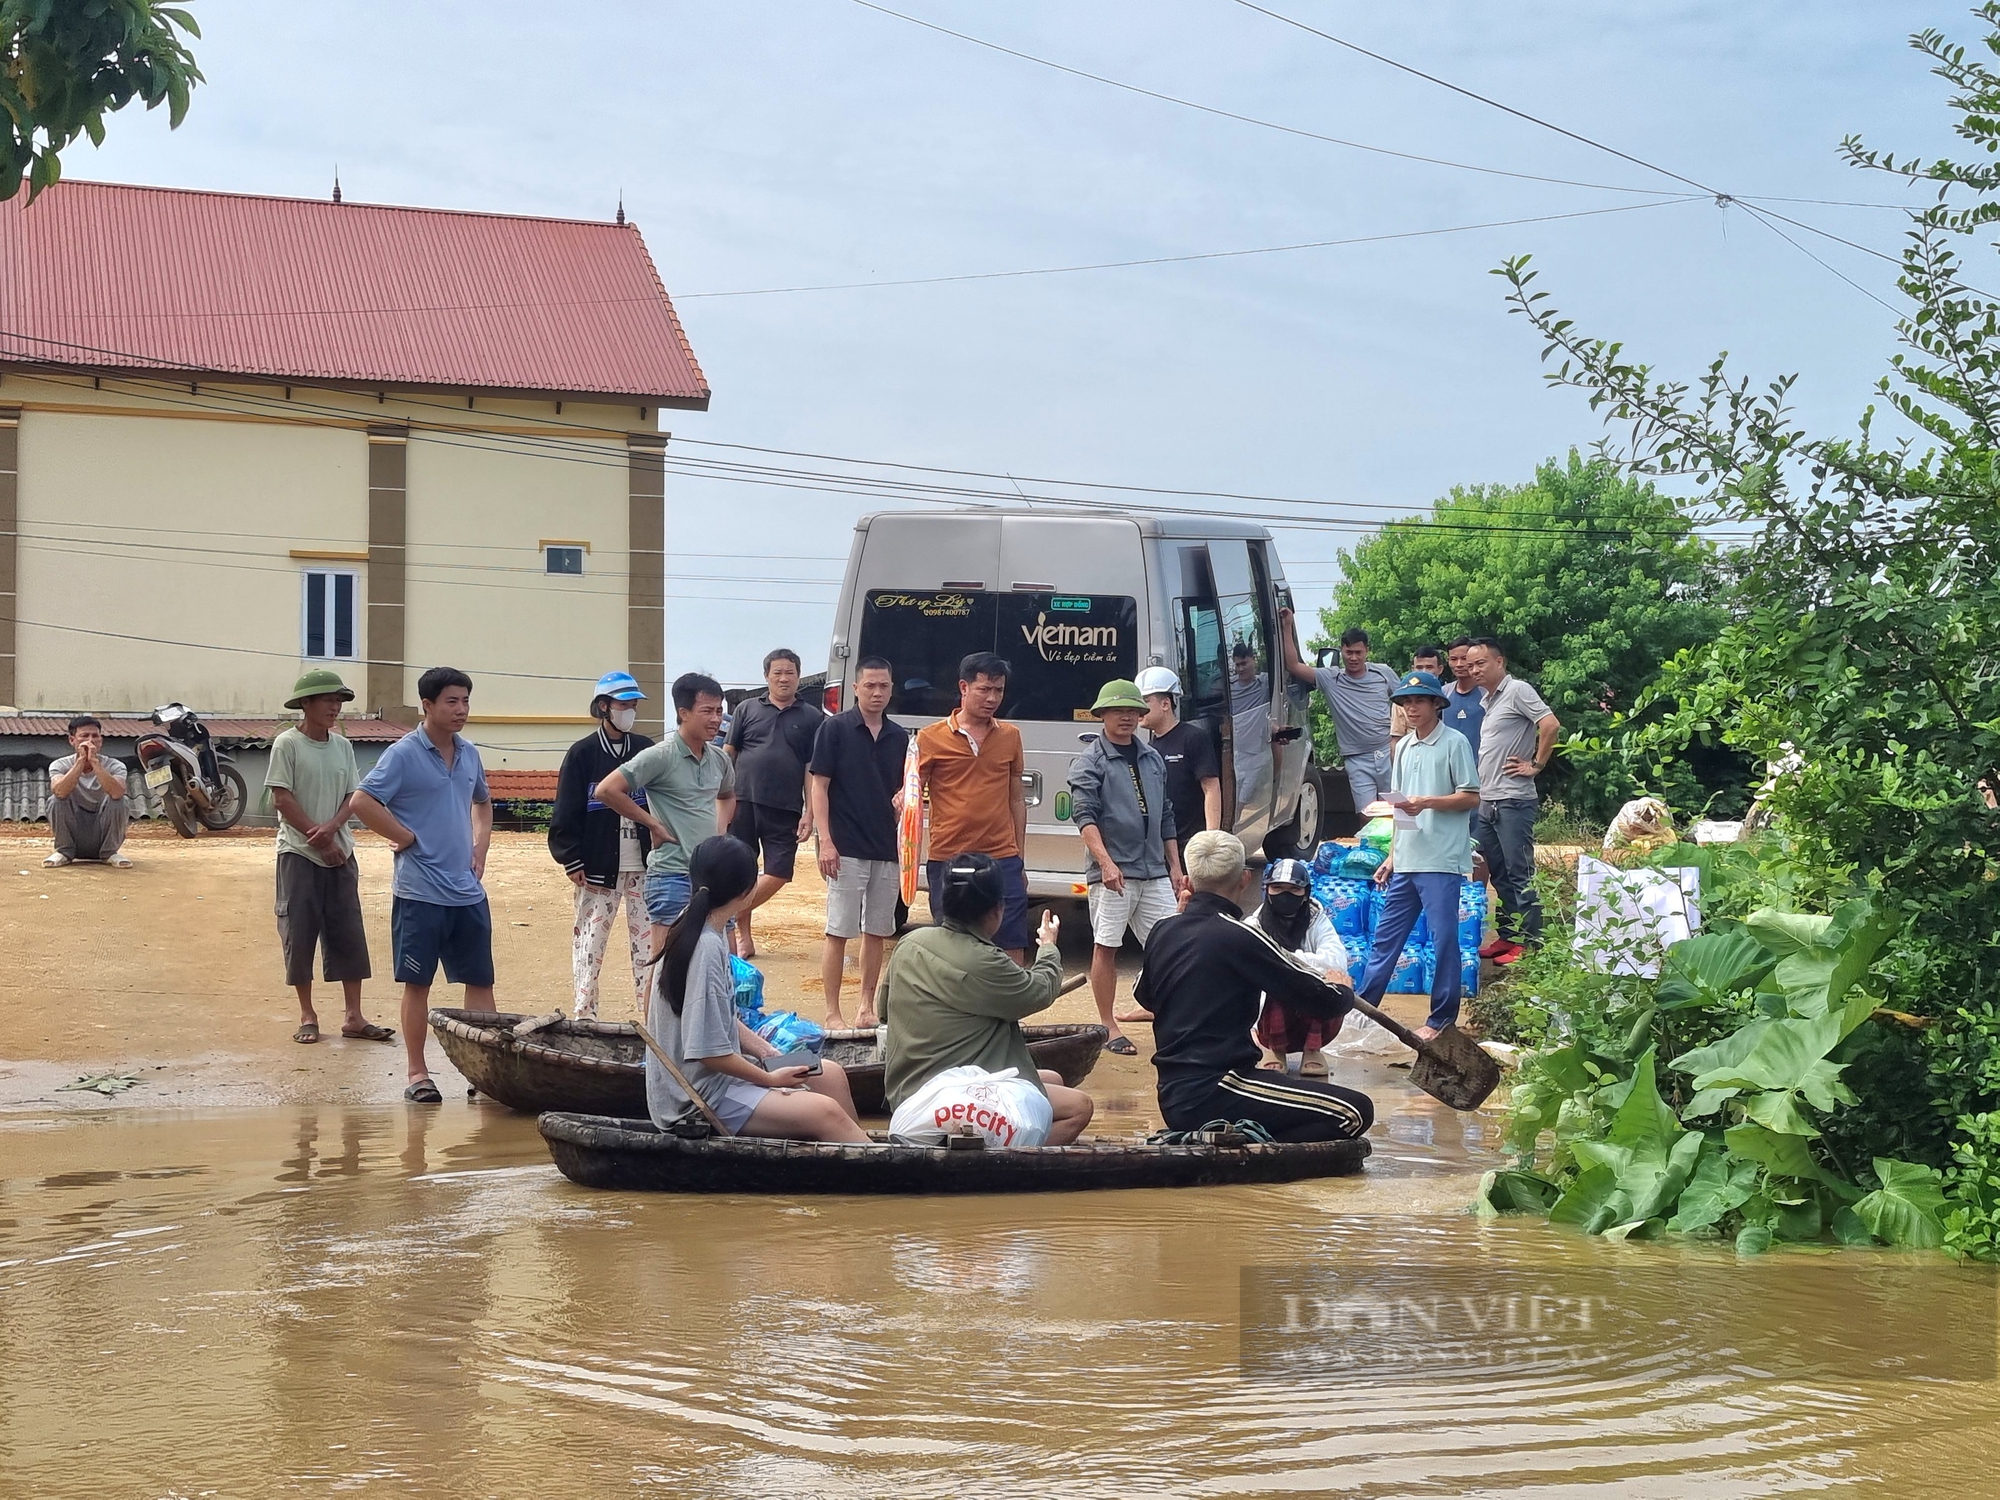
<point>598,1067</point>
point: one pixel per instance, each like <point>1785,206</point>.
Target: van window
<point>1061,648</point>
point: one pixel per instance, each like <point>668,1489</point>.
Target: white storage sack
<point>1004,1107</point>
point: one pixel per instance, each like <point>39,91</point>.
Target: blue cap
<point>620,685</point>
<point>1419,685</point>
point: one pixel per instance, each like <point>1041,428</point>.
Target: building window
<point>329,614</point>
<point>563,559</point>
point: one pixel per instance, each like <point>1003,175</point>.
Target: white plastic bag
<point>1004,1107</point>
<point>1627,919</point>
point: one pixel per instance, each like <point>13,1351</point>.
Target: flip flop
<point>423,1091</point>
<point>307,1034</point>
<point>370,1033</point>
<point>1122,1046</point>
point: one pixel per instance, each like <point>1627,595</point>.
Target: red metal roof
<point>521,786</point>
<point>131,726</point>
<point>101,276</point>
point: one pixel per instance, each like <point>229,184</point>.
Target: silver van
<point>1073,601</point>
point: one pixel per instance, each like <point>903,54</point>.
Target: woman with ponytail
<point>692,1015</point>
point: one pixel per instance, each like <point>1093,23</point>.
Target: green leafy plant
<point>66,64</point>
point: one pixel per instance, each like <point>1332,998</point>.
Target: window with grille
<point>329,615</point>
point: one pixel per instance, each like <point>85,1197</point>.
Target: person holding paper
<point>1433,790</point>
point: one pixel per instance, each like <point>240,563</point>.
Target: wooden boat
<point>601,1152</point>
<point>598,1067</point>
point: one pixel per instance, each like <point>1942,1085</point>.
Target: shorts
<point>422,934</point>
<point>738,1102</point>
<point>667,895</point>
<point>773,831</point>
<point>319,906</point>
<point>1014,932</point>
<point>862,898</point>
<point>1141,904</point>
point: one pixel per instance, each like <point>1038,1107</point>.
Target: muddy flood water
<point>374,1300</point>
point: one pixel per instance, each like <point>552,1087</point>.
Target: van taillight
<point>831,700</point>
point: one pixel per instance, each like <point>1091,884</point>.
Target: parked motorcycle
<point>198,785</point>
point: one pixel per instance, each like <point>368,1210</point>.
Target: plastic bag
<point>1644,823</point>
<point>1378,833</point>
<point>749,992</point>
<point>1471,916</point>
<point>789,1031</point>
<point>1003,1107</point>
<point>1327,857</point>
<point>1362,861</point>
<point>1349,904</point>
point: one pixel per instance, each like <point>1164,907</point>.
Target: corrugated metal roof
<point>131,726</point>
<point>103,276</point>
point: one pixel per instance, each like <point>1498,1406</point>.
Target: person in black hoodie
<point>1205,977</point>
<point>603,854</point>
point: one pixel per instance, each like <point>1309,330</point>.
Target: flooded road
<point>328,1299</point>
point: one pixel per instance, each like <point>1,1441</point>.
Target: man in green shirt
<point>683,790</point>
<point>1433,787</point>
<point>312,782</point>
<point>951,998</point>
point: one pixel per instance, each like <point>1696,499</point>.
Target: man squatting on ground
<point>1119,803</point>
<point>951,999</point>
<point>1434,787</point>
<point>88,812</point>
<point>690,795</point>
<point>770,741</point>
<point>603,854</point>
<point>427,797</point>
<point>1357,695</point>
<point>312,782</point>
<point>1206,974</point>
<point>856,790</point>
<point>1517,735</point>
<point>970,764</point>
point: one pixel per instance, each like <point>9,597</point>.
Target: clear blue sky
<point>779,144</point>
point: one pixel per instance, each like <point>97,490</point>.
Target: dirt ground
<point>170,972</point>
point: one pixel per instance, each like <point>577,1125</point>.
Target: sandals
<point>423,1091</point>
<point>307,1034</point>
<point>369,1032</point>
<point>1121,1046</point>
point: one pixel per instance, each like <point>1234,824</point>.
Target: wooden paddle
<point>1450,1066</point>
<point>1074,982</point>
<point>714,1120</point>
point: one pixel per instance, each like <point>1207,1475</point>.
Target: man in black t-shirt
<point>856,788</point>
<point>770,740</point>
<point>1194,783</point>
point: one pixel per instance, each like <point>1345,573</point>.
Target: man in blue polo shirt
<point>427,797</point>
<point>1434,786</point>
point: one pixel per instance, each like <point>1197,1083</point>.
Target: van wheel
<point>1300,838</point>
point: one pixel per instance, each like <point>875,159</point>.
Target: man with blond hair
<point>1206,974</point>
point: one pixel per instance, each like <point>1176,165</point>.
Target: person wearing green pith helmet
<point>1119,803</point>
<point>311,783</point>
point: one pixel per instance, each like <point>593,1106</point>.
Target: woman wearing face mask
<point>1292,918</point>
<point>603,854</point>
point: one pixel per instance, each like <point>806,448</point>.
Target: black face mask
<point>1287,904</point>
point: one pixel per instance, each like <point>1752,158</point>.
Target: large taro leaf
<point>1785,933</point>
<point>1821,958</point>
<point>1786,1056</point>
<point>1710,966</point>
<point>1777,1111</point>
<point>1638,1170</point>
<point>1905,1210</point>
<point>1516,1192</point>
<point>1783,1155</point>
<point>1720,1184</point>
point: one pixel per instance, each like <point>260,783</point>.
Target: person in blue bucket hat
<point>1433,792</point>
<point>603,854</point>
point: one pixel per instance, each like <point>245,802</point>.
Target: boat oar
<point>714,1119</point>
<point>1074,982</point>
<point>1450,1067</point>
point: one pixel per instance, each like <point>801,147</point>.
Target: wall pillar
<point>388,503</point>
<point>10,555</point>
<point>646,586</point>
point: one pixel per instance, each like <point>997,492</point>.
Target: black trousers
<point>1292,1109</point>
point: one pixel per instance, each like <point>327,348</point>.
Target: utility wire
<point>1173,260</point>
<point>1210,109</point>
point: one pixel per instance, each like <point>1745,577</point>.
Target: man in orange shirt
<point>970,765</point>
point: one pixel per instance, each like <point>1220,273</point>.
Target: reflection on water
<point>326,1298</point>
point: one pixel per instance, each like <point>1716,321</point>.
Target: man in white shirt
<point>88,812</point>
